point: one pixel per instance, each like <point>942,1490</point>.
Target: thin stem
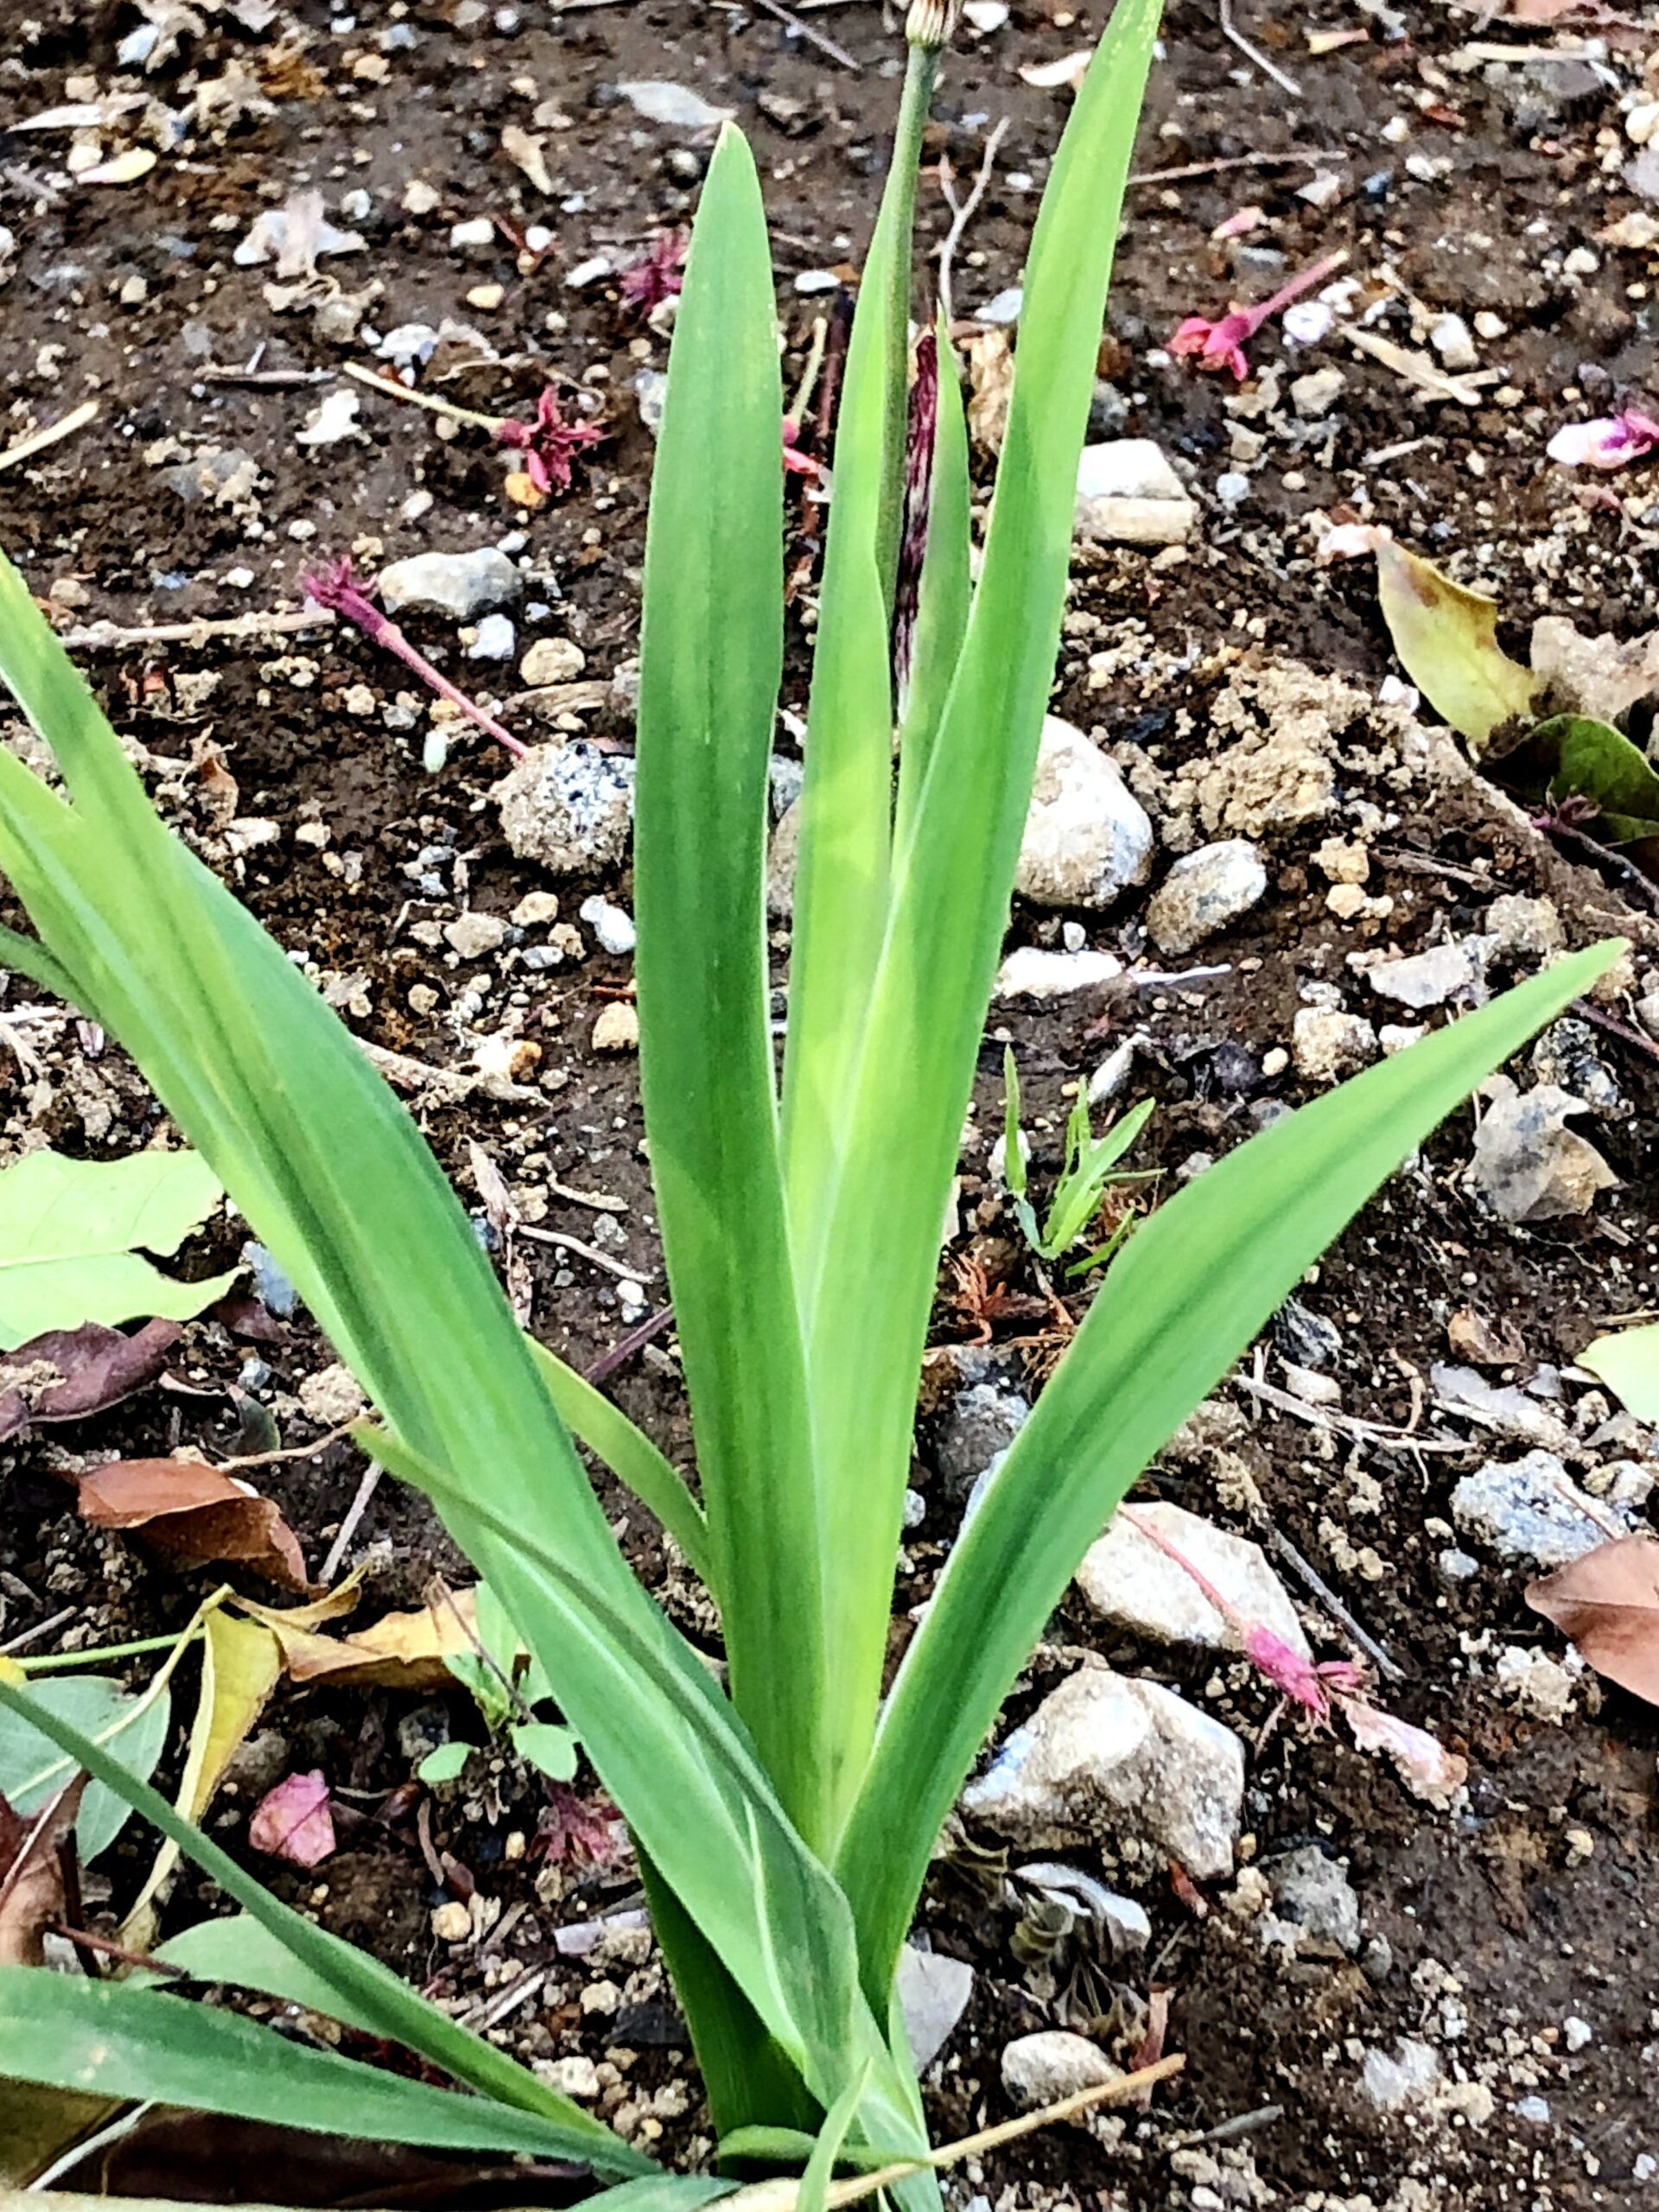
<point>963,212</point>
<point>99,1654</point>
<point>389,388</point>
<point>38,441</point>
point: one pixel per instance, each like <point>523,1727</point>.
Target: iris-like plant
<point>784,1820</point>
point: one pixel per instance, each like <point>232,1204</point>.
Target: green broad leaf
<point>711,652</point>
<point>348,1984</point>
<point>1186,1294</point>
<point>33,1769</point>
<point>71,1232</point>
<point>1446,638</point>
<point>445,1762</point>
<point>1629,1364</point>
<point>106,2038</point>
<point>1592,760</point>
<point>548,1747</point>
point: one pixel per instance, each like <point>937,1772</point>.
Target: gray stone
<point>1531,1510</point>
<point>1453,1567</point>
<point>613,925</point>
<point>1445,972</point>
<point>1104,1758</point>
<point>1133,1583</point>
<point>474,935</point>
<point>494,640</point>
<point>933,1993</point>
<point>980,1421</point>
<point>783,852</point>
<point>1313,1893</point>
<point>459,584</point>
<point>1125,1924</point>
<point>651,390</point>
<point>677,105</point>
<point>1327,1044</point>
<point>1566,1054</point>
<point>271,1285</point>
<point>1394,2081</point>
<point>568,806</point>
<point>1517,924</point>
<point>1030,973</point>
<point>1204,892</point>
<point>1087,838</point>
<point>1528,1165</point>
<point>1314,395</point>
<point>1038,2070</point>
<point>1310,1339</point>
<point>222,476</point>
<point>1128,494</point>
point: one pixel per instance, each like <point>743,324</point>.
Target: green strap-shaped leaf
<point>1193,1285</point>
<point>869,1298</point>
<point>946,596</point>
<point>710,655</point>
<point>363,1991</point>
<point>593,1420</point>
<point>104,2038</point>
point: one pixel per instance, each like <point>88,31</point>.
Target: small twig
<point>1349,1425</point>
<point>97,637</point>
<point>272,379</point>
<point>1328,1598</point>
<point>1243,2123</point>
<point>600,1201</point>
<point>824,43</point>
<point>963,211</point>
<point>1643,886</point>
<point>38,441</point>
<point>625,1347</point>
<point>808,384</point>
<point>289,1450</point>
<point>582,1251</point>
<point>41,1629</point>
<point>482,2017</point>
<point>1307,157</point>
<point>1622,1030</point>
<point>1230,30</point>
<point>348,1527</point>
<point>80,1937</point>
<point>389,388</point>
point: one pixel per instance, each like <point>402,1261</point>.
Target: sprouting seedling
<point>1089,1164</point>
<point>506,1699</point>
<point>335,585</point>
<point>646,283</point>
<point>1221,343</point>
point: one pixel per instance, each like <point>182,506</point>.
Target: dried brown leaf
<point>400,1651</point>
<point>31,1879</point>
<point>1606,1603</point>
<point>68,1374</point>
<point>195,1516</point>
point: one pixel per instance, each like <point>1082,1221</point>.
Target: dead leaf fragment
<point>293,1820</point>
<point>1606,1604</point>
<point>1066,74</point>
<point>67,1374</point>
<point>1424,1764</point>
<point>195,1516</point>
<point>990,382</point>
<point>529,153</point>
<point>400,1651</point>
<point>1473,1335</point>
<point>31,1878</point>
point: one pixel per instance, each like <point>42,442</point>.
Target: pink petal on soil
<point>1286,1670</point>
<point>1426,1768</point>
<point>1609,441</point>
<point>293,1820</point>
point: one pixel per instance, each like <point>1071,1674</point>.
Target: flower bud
<point>930,24</point>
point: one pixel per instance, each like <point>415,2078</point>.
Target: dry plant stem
<point>38,441</point>
<point>389,388</point>
<point>782,2195</point>
<point>1622,1030</point>
<point>288,1451</point>
<point>84,1937</point>
<point>1231,30</point>
<point>962,211</point>
<point>824,43</point>
<point>1307,157</point>
<point>625,1347</point>
<point>348,1527</point>
<point>1328,1597</point>
<point>582,1251</point>
<point>1627,871</point>
<point>41,1629</point>
<point>104,637</point>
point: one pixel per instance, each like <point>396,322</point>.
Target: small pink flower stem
<point>1254,317</point>
<point>335,587</point>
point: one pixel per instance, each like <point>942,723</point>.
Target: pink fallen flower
<point>293,1820</point>
<point>1610,441</point>
<point>645,284</point>
<point>549,443</point>
<point>1426,1768</point>
<point>1221,343</point>
<point>335,585</point>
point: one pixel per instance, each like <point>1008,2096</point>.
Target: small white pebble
<point>1576,2033</point>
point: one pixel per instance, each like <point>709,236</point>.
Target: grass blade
<point>373,1996</point>
<point>1191,1288</point>
<point>632,1456</point>
<point>67,2033</point>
